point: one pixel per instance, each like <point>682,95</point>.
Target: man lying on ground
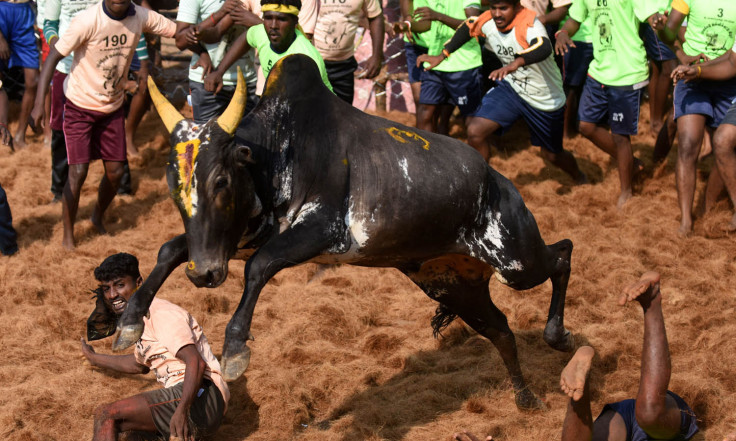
<point>194,398</point>
<point>656,413</point>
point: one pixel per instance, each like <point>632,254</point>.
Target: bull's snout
<point>209,275</point>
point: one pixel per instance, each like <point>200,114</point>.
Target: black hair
<point>511,2</point>
<point>297,3</point>
<point>117,266</point>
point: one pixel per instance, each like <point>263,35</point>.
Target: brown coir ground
<point>347,353</point>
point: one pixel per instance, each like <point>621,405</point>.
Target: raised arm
<point>554,16</point>
<point>213,81</point>
<point>195,368</point>
<point>427,14</point>
<point>119,363</point>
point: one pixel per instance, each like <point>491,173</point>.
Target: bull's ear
<point>243,155</point>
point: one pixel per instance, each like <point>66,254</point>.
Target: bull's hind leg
<point>460,284</point>
<point>555,333</point>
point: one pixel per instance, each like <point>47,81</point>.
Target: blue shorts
<point>730,117</point>
<point>460,88</point>
<point>576,62</point>
<point>656,49</point>
<point>627,408</point>
<point>412,52</point>
<point>618,107</point>
<point>16,24</point>
<point>503,105</point>
<point>709,98</point>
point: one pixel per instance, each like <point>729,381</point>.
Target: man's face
<point>503,13</point>
<point>118,8</point>
<point>117,292</point>
<point>279,27</point>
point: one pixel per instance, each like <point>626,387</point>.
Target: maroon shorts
<point>57,100</point>
<point>93,135</point>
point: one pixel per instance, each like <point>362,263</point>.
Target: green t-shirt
<point>258,39</point>
<point>711,26</point>
<point>583,34</point>
<point>619,58</point>
<point>418,38</point>
<point>465,58</point>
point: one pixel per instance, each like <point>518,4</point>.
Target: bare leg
<point>625,167</point>
<point>138,107</point>
<point>70,201</point>
<point>425,117</point>
<point>567,163</point>
<point>106,193</point>
<point>690,130</point>
<point>713,189</point>
<point>578,424</point>
<point>599,136</point>
<point>30,77</point>
<point>442,118</point>
<point>659,87</point>
<point>571,112</point>
<point>665,139</point>
<point>127,414</point>
<point>46,118</point>
<point>724,146</point>
<point>479,129</point>
<point>656,412</point>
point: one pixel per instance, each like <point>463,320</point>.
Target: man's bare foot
<point>645,290</point>
<point>575,374</point>
<point>623,198</point>
<point>730,228</point>
<point>582,179</point>
<point>468,436</point>
<point>68,243</point>
<point>730,437</point>
<point>97,222</point>
<point>19,140</point>
<point>685,230</point>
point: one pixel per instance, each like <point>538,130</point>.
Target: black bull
<point>309,178</point>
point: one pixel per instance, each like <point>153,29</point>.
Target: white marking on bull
<point>356,223</point>
<point>307,210</point>
<point>404,164</point>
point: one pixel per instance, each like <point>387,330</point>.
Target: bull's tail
<point>442,319</point>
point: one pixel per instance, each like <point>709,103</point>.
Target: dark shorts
<point>626,408</point>
<point>709,98</point>
<point>207,105</point>
<point>503,105</point>
<point>205,414</point>
<point>460,88</point>
<point>730,117</point>
<point>617,107</point>
<point>575,64</point>
<point>93,135</point>
<point>58,99</point>
<point>341,76</point>
<point>656,49</point>
<point>16,24</point>
<point>412,52</point>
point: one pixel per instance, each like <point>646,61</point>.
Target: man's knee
<point>30,79</point>
<point>586,128</point>
<point>105,412</point>
<point>649,415</point>
<point>114,172</point>
<point>724,140</point>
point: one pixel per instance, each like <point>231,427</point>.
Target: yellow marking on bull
<point>191,265</point>
<point>186,154</point>
<point>345,161</point>
<point>404,136</point>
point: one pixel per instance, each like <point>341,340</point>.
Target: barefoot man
<point>656,413</point>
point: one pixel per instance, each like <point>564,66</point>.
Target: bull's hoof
<point>559,340</point>
<point>526,400</point>
<point>127,336</point>
<point>234,365</point>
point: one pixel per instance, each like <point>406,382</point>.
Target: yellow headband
<point>293,10</point>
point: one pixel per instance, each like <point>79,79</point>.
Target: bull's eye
<point>221,183</point>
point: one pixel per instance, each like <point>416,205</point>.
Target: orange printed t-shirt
<point>103,49</point>
<point>168,328</point>
<point>337,22</point>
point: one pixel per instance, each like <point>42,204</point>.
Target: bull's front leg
<point>130,326</point>
<point>292,247</point>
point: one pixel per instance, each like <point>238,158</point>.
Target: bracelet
<point>214,22</point>
<point>48,41</point>
<point>558,32</point>
<point>408,25</point>
<point>6,127</point>
<point>446,53</point>
<point>700,71</point>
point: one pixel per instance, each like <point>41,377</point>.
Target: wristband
<point>700,71</point>
<point>558,32</point>
<point>50,39</point>
<point>408,25</point>
<point>214,22</point>
<point>446,53</point>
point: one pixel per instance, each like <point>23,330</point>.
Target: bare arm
<point>213,82</point>
<point>119,363</point>
<point>722,68</point>
<point>670,30</point>
<point>554,16</point>
<point>373,67</point>
<point>425,13</point>
<point>44,80</point>
<point>195,367</point>
<point>564,36</point>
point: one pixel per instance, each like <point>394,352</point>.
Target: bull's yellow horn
<point>230,119</point>
<point>168,113</point>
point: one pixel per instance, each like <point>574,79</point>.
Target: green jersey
<point>418,38</point>
<point>258,39</point>
<point>583,34</point>
<point>711,26</point>
<point>619,58</point>
<point>465,58</point>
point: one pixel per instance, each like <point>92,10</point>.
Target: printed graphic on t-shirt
<point>116,49</point>
<point>604,24</point>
